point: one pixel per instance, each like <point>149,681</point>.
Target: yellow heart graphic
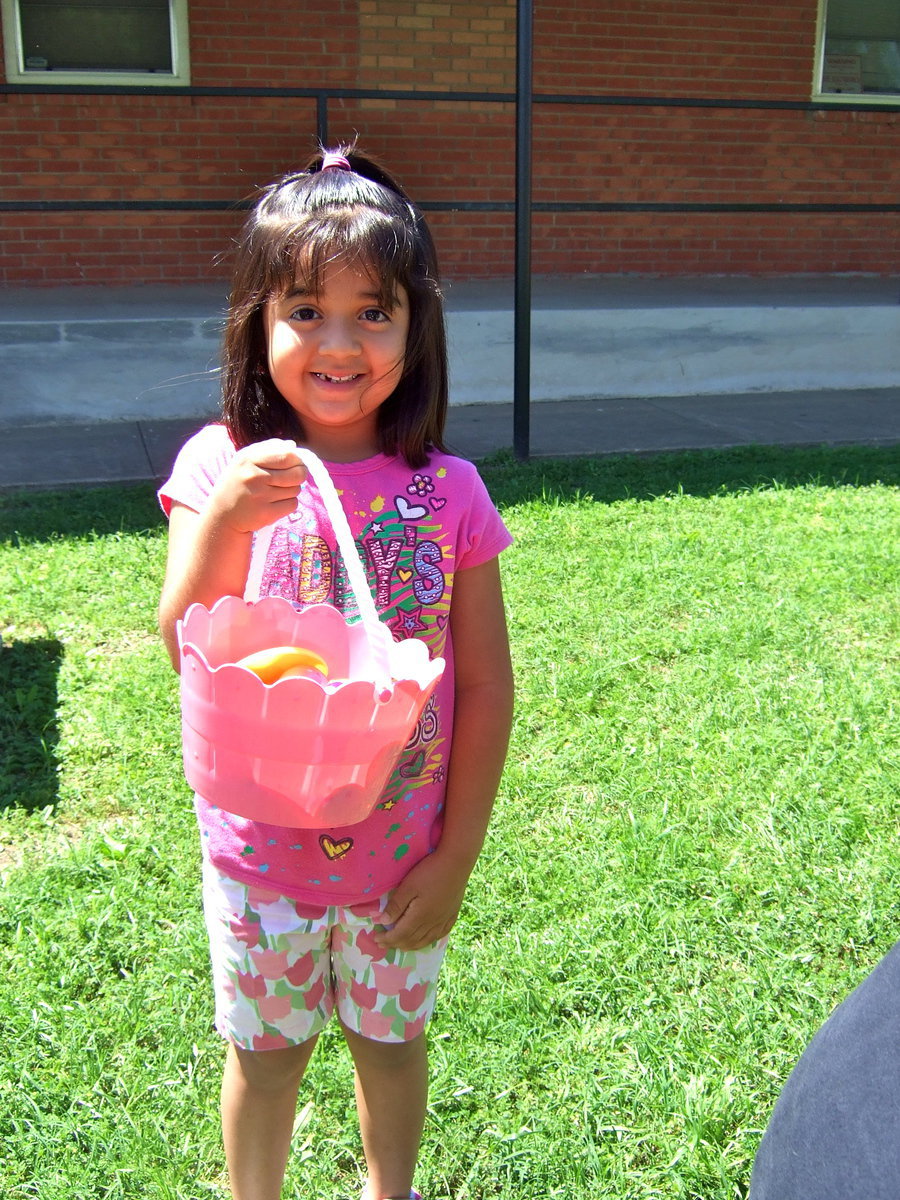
<point>333,849</point>
<point>404,575</point>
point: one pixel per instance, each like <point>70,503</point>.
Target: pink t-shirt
<point>416,529</point>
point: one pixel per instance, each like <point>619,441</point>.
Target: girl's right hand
<point>260,485</point>
<point>209,551</point>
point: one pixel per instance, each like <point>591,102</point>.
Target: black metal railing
<point>324,96</point>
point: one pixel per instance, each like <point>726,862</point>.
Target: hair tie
<point>331,159</point>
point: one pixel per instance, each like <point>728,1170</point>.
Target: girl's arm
<point>426,904</point>
<point>209,551</point>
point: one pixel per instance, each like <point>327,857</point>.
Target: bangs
<point>375,243</point>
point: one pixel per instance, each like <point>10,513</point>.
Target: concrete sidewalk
<point>101,385</point>
<point>63,455</point>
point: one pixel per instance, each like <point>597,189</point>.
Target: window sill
<point>888,99</point>
<point>99,79</point>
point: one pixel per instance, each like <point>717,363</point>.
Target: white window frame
<point>180,75</point>
<point>887,99</point>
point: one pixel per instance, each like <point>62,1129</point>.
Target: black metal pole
<point>522,326</point>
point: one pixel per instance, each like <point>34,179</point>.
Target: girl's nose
<point>338,336</point>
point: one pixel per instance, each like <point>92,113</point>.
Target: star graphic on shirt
<point>408,622</point>
<point>388,805</point>
<point>377,526</point>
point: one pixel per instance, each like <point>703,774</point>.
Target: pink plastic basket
<point>300,751</point>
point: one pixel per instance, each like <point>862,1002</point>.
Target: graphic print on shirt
<point>403,546</point>
<point>403,551</point>
<point>335,849</point>
<point>420,763</point>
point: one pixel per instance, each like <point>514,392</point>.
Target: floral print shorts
<point>279,973</point>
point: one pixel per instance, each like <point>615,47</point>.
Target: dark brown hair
<point>298,225</point>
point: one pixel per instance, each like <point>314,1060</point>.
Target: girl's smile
<point>336,355</point>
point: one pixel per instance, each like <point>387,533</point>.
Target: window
<point>96,41</point>
<point>859,50</point>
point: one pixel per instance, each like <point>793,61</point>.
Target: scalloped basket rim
<point>422,671</point>
<point>329,687</point>
<point>197,613</point>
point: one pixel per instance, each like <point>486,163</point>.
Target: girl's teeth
<point>336,378</point>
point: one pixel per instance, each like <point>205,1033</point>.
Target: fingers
<point>414,926</point>
<point>395,908</point>
<point>393,925</point>
<point>262,484</point>
<point>273,452</point>
<point>397,939</point>
<point>278,460</point>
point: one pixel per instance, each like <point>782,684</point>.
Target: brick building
<point>700,137</point>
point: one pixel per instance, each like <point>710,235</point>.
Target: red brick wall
<point>214,150</point>
<point>713,48</point>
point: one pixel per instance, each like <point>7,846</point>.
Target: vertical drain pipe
<point>522,328</point>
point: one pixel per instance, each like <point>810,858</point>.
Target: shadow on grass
<point>609,478</point>
<point>29,730</point>
<point>36,516</point>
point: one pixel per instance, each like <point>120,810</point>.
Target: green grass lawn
<point>693,856</point>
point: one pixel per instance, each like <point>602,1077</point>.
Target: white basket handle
<point>375,631</point>
<point>355,571</point>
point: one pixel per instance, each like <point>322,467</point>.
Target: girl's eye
<point>305,313</point>
<point>376,315</point>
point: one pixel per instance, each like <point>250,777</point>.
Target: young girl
<point>335,340</point>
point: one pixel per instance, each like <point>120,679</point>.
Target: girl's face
<point>336,356</point>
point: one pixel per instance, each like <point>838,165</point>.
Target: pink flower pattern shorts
<point>279,972</point>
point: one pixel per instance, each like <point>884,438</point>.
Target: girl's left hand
<point>424,907</point>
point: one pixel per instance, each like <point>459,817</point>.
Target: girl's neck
<point>341,449</point>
